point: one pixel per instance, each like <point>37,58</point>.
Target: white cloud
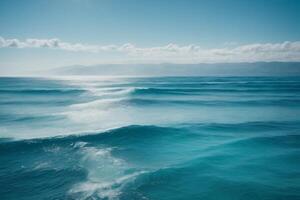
<point>285,51</point>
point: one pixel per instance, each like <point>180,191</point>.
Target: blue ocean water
<point>150,138</point>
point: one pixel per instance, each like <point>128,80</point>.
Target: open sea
<point>168,138</point>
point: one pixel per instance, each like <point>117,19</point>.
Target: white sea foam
<point>103,87</point>
<point>42,165</point>
<point>99,104</point>
<point>110,92</point>
<point>79,144</point>
<point>110,190</point>
<point>107,175</point>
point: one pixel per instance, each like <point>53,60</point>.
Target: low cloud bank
<point>285,51</point>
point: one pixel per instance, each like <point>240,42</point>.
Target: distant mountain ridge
<point>168,69</point>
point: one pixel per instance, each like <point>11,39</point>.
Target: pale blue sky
<point>208,24</point>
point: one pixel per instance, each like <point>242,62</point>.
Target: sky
<point>45,34</point>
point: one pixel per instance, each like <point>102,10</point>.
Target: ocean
<point>159,138</point>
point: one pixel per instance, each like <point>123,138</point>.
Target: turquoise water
<point>150,138</point>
